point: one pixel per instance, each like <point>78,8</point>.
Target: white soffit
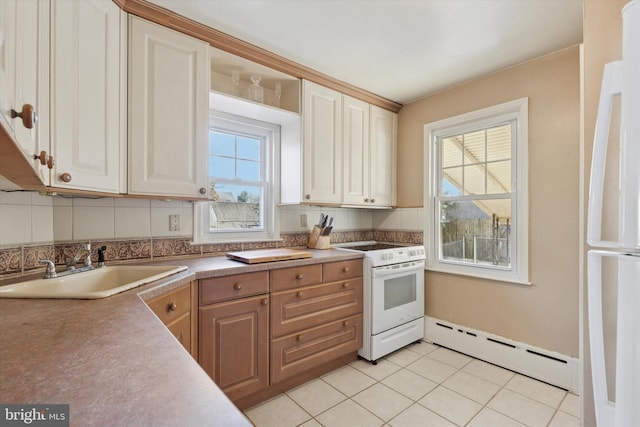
<point>399,49</point>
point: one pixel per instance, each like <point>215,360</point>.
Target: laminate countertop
<point>112,360</point>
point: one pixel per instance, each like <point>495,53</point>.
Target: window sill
<point>493,278</point>
<point>224,241</point>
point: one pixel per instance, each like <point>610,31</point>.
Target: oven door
<point>397,293</point>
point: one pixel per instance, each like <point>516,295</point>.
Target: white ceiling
<point>399,49</point>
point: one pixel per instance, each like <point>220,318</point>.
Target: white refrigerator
<point>621,78</point>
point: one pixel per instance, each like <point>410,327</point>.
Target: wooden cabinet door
<point>299,352</point>
<point>382,154</point>
<point>355,139</point>
<point>322,144</point>
<point>234,344</point>
<point>168,111</point>
<point>302,308</point>
<point>88,95</point>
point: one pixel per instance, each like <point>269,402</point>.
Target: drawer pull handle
<point>345,285</point>
<point>346,269</point>
<point>265,301</point>
<point>237,286</point>
<point>300,338</point>
<point>299,294</point>
<point>299,276</point>
<point>345,323</point>
<point>173,306</point>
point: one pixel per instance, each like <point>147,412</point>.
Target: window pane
<point>499,143</point>
<point>499,177</point>
<point>474,179</point>
<point>452,182</point>
<point>222,167</point>
<point>474,147</point>
<point>451,151</point>
<point>235,207</point>
<point>248,148</point>
<point>476,232</point>
<point>248,171</point>
<point>221,144</point>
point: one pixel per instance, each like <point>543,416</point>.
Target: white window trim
<point>271,230</point>
<point>519,271</point>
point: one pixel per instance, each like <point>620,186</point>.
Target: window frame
<point>240,125</point>
<point>481,119</point>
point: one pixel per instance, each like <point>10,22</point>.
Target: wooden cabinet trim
<point>220,40</point>
<point>218,289</point>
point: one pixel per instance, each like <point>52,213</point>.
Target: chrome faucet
<point>85,250</point>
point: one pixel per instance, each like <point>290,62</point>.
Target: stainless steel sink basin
<point>98,283</point>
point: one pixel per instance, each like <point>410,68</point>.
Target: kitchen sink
<point>92,284</point>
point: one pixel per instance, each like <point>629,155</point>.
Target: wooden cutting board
<point>268,255</point>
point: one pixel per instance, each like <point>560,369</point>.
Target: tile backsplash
<point>34,227</point>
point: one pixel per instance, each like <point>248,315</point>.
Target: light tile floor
<point>420,385</point>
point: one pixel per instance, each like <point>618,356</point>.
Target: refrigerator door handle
<point>611,86</point>
<point>605,410</point>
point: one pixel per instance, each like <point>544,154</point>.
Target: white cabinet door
<point>168,111</point>
<point>322,145</point>
<point>87,99</point>
<point>7,61</point>
<point>355,139</point>
<point>382,154</point>
<point>21,42</point>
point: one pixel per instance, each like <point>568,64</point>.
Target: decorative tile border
<point>24,259</point>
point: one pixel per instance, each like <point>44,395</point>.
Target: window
<point>476,193</point>
<point>241,181</point>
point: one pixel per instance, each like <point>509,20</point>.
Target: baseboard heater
<point>544,365</point>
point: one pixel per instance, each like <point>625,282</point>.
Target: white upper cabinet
<point>88,98</point>
<point>22,40</point>
<point>382,157</point>
<point>321,145</point>
<point>355,135</point>
<point>369,172</point>
<point>168,111</point>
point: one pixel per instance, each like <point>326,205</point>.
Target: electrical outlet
<point>174,222</point>
<point>303,220</point>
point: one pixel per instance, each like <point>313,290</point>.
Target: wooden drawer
<point>297,353</point>
<point>294,277</point>
<point>181,329</point>
<point>216,289</point>
<point>341,270</point>
<point>173,305</point>
<point>312,306</point>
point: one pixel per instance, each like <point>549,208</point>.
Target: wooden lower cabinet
<point>234,344</point>
<point>297,353</point>
<point>174,310</point>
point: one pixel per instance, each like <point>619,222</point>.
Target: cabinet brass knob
<point>27,114</point>
<point>42,157</point>
<point>265,301</point>
<point>299,338</point>
<point>203,190</point>
<point>308,196</point>
<point>237,286</point>
<point>299,294</point>
<point>299,276</point>
<point>65,177</point>
<point>173,306</point>
<point>345,270</point>
<point>345,323</point>
<point>345,285</point>
<point>373,200</point>
<point>366,200</point>
<point>50,162</point>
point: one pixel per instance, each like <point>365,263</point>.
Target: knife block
<point>317,240</point>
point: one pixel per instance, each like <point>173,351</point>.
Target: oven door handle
<point>389,270</point>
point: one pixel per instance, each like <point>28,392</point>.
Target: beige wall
<point>602,43</point>
<point>544,314</point>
